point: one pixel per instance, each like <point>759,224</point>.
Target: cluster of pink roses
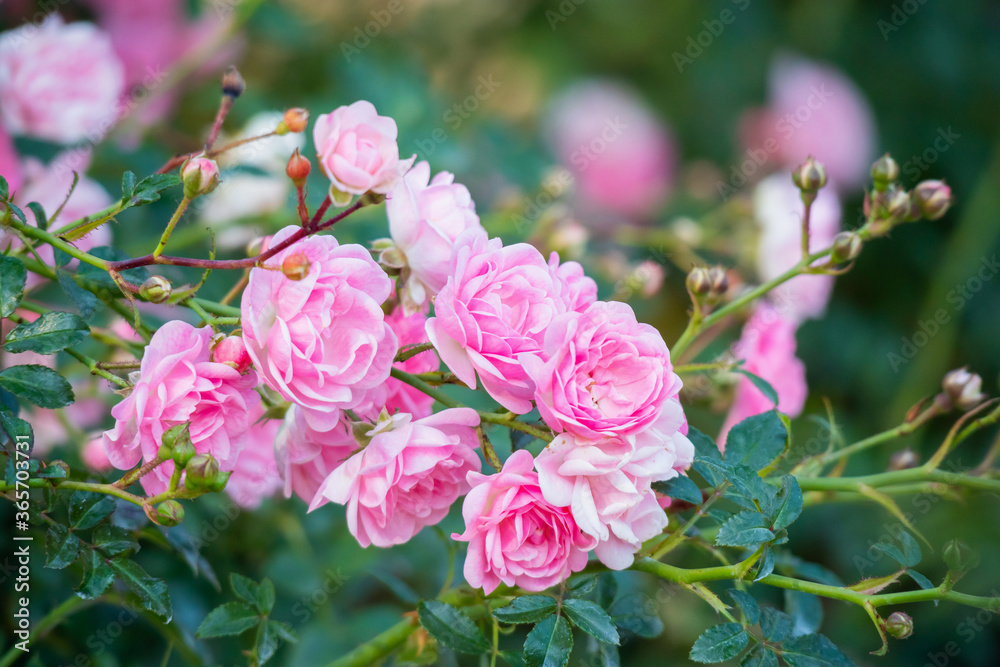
<point>323,333</point>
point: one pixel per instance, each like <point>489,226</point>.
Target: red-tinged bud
<point>295,266</point>
<point>169,513</point>
<point>201,472</point>
<point>810,176</point>
<point>233,84</point>
<point>963,389</point>
<point>298,168</point>
<point>698,282</point>
<point>200,175</point>
<point>899,625</point>
<point>155,289</point>
<point>846,246</point>
<point>933,198</point>
<point>295,120</point>
<point>232,351</point>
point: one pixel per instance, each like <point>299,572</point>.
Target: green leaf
<point>775,625</point>
<point>451,627</point>
<point>788,503</point>
<point>12,278</point>
<point>681,488</point>
<point>16,429</point>
<point>892,551</point>
<point>765,566</point>
<point>52,471</point>
<point>84,301</point>
<point>48,334</point>
<point>757,440</point>
<point>152,592</point>
<point>762,384</point>
<point>805,610</point>
<point>911,549</point>
<point>16,212</point>
<point>748,489</point>
<point>746,529</point>
<point>4,189</point>
<point>582,587</point>
<point>636,613</point>
<point>188,547</point>
<point>97,576</point>
<point>593,620</point>
<point>41,220</point>
<point>87,509</point>
<point>526,609</point>
<point>39,384</point>
<point>720,643</point>
<point>62,547</point>
<point>549,643</point>
<point>810,571</point>
<point>704,446</point>
<point>114,540</point>
<point>128,185</point>
<point>245,588</point>
<point>148,189</point>
<point>760,656</point>
<point>269,638</point>
<point>137,275</point>
<point>813,651</point>
<point>921,580</point>
<point>265,596</point>
<point>607,655</point>
<point>227,620</point>
<point>747,604</point>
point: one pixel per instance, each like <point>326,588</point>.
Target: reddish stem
<point>224,107</point>
<point>321,211</point>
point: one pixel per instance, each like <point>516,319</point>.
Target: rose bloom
<point>94,456</point>
<point>515,536</point>
<point>768,346</point>
<point>407,477</point>
<point>306,457</point>
<point>177,384</point>
<point>425,217</point>
<point>607,484</point>
<point>601,373</point>
<point>59,82</point>
<point>10,162</point>
<point>496,306</point>
<point>778,209</point>
<point>255,475</point>
<point>321,341</point>
<point>357,149</point>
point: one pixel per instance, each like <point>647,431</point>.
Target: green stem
<point>165,237</point>
<point>56,242</point>
<point>95,369</point>
<point>73,485</point>
<point>378,647</point>
<point>433,392</point>
<point>854,484</point>
<point>878,438</point>
<point>509,421</point>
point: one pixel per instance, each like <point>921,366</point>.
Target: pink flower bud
<point>933,198</point>
<point>298,168</point>
<point>232,351</point>
<point>295,266</point>
<point>200,175</point>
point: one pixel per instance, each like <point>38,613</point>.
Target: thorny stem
<point>170,227</point>
<point>878,438</point>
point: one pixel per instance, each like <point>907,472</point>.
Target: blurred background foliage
<point>937,68</point>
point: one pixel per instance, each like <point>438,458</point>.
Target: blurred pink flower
<point>778,209</point>
<point>321,341</point>
<point>58,81</point>
<point>406,477</point>
<point>620,153</point>
<point>255,476</point>
<point>177,384</point>
<point>768,346</point>
<point>10,162</point>
<point>94,456</point>
<point>306,457</point>
<point>515,536</point>
<point>426,215</point>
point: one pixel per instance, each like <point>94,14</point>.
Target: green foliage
<point>38,384</point>
<point>147,190</point>
<point>526,609</point>
<point>451,627</point>
<point>593,620</point>
<point>48,334</point>
<point>252,610</point>
<point>13,277</point>
<point>549,644</point>
<point>720,643</point>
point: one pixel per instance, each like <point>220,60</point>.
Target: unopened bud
<point>718,282</point>
<point>959,557</point>
<point>298,168</point>
<point>200,175</point>
<point>698,282</point>
<point>155,289</point>
<point>897,204</point>
<point>258,245</point>
<point>173,439</point>
<point>933,198</point>
<point>646,278</point>
<point>903,460</point>
<point>233,84</point>
<point>885,171</point>
<point>232,351</point>
<point>810,176</point>
<point>963,389</point>
<point>846,246</point>
<point>218,484</point>
<point>201,471</point>
<point>294,120</point>
<point>295,266</point>
<point>169,513</point>
<point>899,625</point>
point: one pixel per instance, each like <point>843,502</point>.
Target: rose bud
<point>899,625</point>
<point>232,351</point>
<point>846,246</point>
<point>885,171</point>
<point>963,389</point>
<point>200,175</point>
<point>933,198</point>
<point>155,289</point>
<point>295,120</point>
<point>174,437</point>
<point>298,168</point>
<point>233,84</point>
<point>201,471</point>
<point>810,176</point>
<point>698,281</point>
<point>169,513</point>
<point>959,557</point>
<point>295,266</point>
<point>903,460</point>
<point>718,282</point>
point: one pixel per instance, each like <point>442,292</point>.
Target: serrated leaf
<point>4,189</point>
<point>805,610</point>
<point>52,471</point>
<point>152,592</point>
<point>892,551</point>
<point>526,609</point>
<point>148,189</point>
<point>713,470</point>
<point>911,549</point>
<point>704,446</point>
<point>227,620</point>
<point>746,529</point>
<point>13,276</point>
<point>681,488</point>
<point>97,576</point>
<point>128,185</point>
<point>921,580</point>
<point>748,489</point>
<point>265,596</point>
<point>38,384</point>
<point>760,656</point>
<point>48,334</point>
<point>775,625</point>
<point>787,503</point>
<point>62,547</point>
<point>268,640</point>
<point>636,613</point>
<point>245,588</point>
<point>87,509</point>
<point>451,627</point>
<point>590,618</point>
<point>16,429</point>
<point>84,301</point>
<point>747,604</point>
<point>757,440</point>
<point>763,385</point>
<point>16,212</point>
<point>720,643</point>
<point>582,587</point>
<point>549,643</point>
<point>813,650</point>
<point>114,540</point>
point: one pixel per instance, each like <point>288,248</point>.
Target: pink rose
<point>601,373</point>
<point>620,153</point>
<point>768,346</point>
<point>407,477</point>
<point>515,536</point>
<point>576,290</point>
<point>255,475</point>
<point>496,306</point>
<point>306,457</point>
<point>321,341</point>
<point>357,149</point>
<point>778,208</point>
<point>425,217</point>
<point>177,384</point>
<point>59,82</point>
<point>607,484</point>
<point>10,162</point>
<point>94,456</point>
